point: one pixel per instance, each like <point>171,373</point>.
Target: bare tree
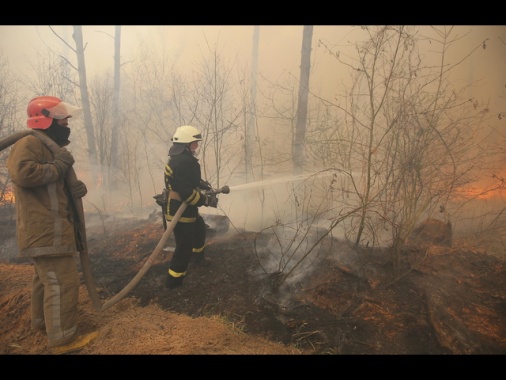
<point>83,87</point>
<point>152,91</point>
<point>101,103</point>
<point>52,75</point>
<point>411,136</point>
<point>278,110</point>
<point>250,130</point>
<point>51,72</point>
<point>213,110</point>
<point>116,98</point>
<point>299,153</point>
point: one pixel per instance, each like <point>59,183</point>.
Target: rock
<point>432,231</point>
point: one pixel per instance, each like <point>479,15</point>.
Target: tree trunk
<point>115,110</point>
<point>81,68</point>
<point>300,127</point>
<point>250,128</point>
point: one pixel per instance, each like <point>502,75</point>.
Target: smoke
<point>293,249</point>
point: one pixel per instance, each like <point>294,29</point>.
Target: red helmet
<point>43,109</point>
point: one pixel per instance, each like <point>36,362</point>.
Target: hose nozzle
<point>225,190</point>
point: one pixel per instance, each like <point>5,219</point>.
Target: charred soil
<point>439,300</point>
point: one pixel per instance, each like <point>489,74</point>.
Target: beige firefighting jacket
<point>44,217</point>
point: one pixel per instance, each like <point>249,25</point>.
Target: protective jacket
<point>182,176</point>
<point>44,221</point>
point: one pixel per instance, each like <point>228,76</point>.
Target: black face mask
<point>58,133</point>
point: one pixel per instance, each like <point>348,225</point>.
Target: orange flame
<point>483,193</point>
<point>7,198</point>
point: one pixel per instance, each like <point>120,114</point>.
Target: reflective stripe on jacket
<point>182,175</point>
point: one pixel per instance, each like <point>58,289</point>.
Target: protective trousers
<point>189,237</point>
<point>55,294</point>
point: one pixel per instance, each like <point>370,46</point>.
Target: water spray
<point>300,177</point>
<point>252,185</point>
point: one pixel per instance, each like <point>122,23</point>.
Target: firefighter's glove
<point>204,185</point>
<point>162,199</point>
<point>79,189</point>
<point>63,160</point>
<point>212,200</point>
<point>159,200</point>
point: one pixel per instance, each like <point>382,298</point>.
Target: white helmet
<point>186,134</point>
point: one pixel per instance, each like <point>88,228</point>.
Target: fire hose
<point>158,249</point>
<point>149,262</point>
<point>78,210</point>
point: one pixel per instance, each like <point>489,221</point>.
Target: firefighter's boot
<point>173,282</point>
<point>77,344</point>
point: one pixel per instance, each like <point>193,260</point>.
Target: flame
<point>483,193</point>
<point>7,197</point>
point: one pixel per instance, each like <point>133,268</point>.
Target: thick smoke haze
<point>278,62</point>
<point>279,49</point>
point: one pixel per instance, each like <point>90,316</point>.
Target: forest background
<point>361,131</point>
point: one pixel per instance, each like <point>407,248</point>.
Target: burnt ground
<point>441,299</point>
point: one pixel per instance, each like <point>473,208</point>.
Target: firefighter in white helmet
<point>183,182</point>
<point>45,226</point>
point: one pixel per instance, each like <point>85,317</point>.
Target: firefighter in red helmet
<point>45,226</point>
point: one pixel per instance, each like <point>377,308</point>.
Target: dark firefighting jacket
<point>182,177</point>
